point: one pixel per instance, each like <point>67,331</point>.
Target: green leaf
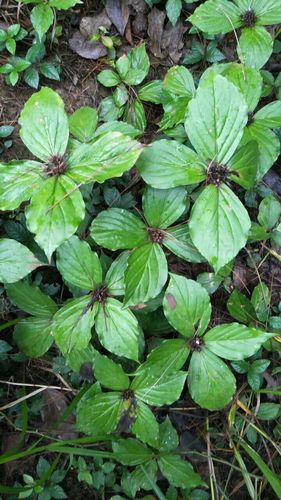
<point>143,476</point>
<point>167,358</point>
<point>44,124</point>
<point>117,329</point>
<point>11,46</point>
<point>16,261</point>
<point>233,341</point>
<point>151,92</point>
<point>219,225</point>
<point>241,308</point>
<point>73,323</point>
<point>244,162</point>
<point>55,212</point>
<point>33,336</point>
<point>166,164</point>
<point>173,9</point>
<point>269,115</point>
<point>247,80</point>
<point>179,81</point>
<point>145,426</point>
<point>168,436</point>
<point>82,123</point>
<point>213,127</point>
<point>50,71</point>
<point>175,109</point>
<point>267,12</point>
<point>138,65</point>
<point>78,264</point>
<point>162,207</point>
<point>31,77</point>
<point>269,212</point>
<point>255,47</point>
<point>117,228</point>
<point>115,126</point>
<point>109,156</point>
<point>187,306</point>
<point>110,374</point>
<point>19,179</point>
<point>216,17</point>
<point>135,114</point>
<point>108,78</point>
<point>108,110</point>
<point>268,145</point>
<point>178,241</point>
<point>211,384</point>
<point>261,299</point>
<point>178,472</point>
<point>41,18</point>
<point>131,452</point>
<point>31,299</point>
<point>159,391</point>
<point>268,411</point>
<point>78,357</point>
<point>99,414</point>
<point>114,279</point>
<point>146,274</point>
<point>271,477</point>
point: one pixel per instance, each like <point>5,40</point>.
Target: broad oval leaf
<point>211,383</point>
<point>177,240</point>
<point>117,329</point>
<point>268,12</point>
<point>146,274</point>
<point>178,472</point>
<point>54,213</point>
<point>269,115</point>
<point>215,120</point>
<point>233,341</point>
<point>167,358</point>
<point>18,181</point>
<point>31,299</point>
<point>247,80</point>
<point>162,207</point>
<point>44,124</point>
<point>117,228</point>
<point>109,156</point>
<point>179,81</point>
<point>145,426</point>
<point>160,390</point>
<point>73,323</point>
<point>241,308</point>
<point>187,306</point>
<point>115,275</point>
<point>216,17</point>
<point>82,123</point>
<point>78,264</point>
<point>268,146</point>
<point>255,46</point>
<point>33,336</point>
<point>165,164</point>
<point>244,163</point>
<point>16,261</point>
<point>219,225</point>
<point>168,436</point>
<point>131,452</point>
<point>98,415</point>
<point>110,374</point>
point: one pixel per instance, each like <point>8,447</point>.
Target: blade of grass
<point>269,475</point>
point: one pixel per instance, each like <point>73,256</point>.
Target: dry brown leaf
<point>156,20</point>
<point>119,13</point>
<point>89,50</point>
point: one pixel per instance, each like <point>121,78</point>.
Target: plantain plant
<point>52,182</point>
<point>255,44</point>
<point>215,122</point>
